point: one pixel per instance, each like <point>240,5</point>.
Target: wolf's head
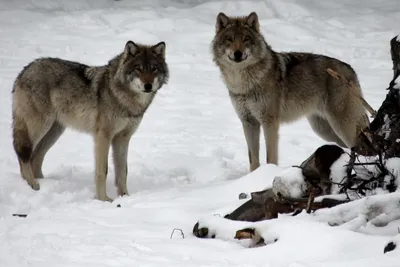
<point>142,68</point>
<point>238,40</point>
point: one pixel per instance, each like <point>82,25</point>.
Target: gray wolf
<point>268,88</point>
<point>108,102</point>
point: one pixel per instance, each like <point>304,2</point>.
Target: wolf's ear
<point>222,22</point>
<point>131,48</point>
<point>159,49</point>
<point>252,21</point>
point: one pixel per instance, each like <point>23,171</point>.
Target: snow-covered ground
<point>188,160</point>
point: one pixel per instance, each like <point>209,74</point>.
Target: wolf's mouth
<point>238,60</point>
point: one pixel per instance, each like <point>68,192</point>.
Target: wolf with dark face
<point>107,102</point>
<point>268,88</point>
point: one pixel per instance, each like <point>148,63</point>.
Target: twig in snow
<point>310,202</point>
<point>20,215</point>
<point>176,229</point>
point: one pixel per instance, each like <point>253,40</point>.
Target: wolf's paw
<point>122,191</point>
<point>34,185</point>
<point>105,198</point>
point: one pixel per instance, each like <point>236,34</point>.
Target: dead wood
<point>395,55</point>
<point>200,232</point>
<point>250,233</point>
<point>304,203</point>
<point>263,205</point>
<point>316,169</point>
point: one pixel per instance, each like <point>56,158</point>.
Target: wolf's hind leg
<point>23,148</point>
<point>26,134</point>
<point>48,140</point>
<point>347,129</point>
<point>322,127</point>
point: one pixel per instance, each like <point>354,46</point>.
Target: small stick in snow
<point>20,215</point>
<point>243,196</point>
<point>389,247</point>
<point>310,202</point>
<point>176,229</point>
<point>337,76</point>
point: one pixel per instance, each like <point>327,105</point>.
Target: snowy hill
<point>189,158</point>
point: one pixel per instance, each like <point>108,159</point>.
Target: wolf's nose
<point>238,55</point>
<point>148,86</point>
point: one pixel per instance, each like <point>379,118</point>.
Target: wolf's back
<point>51,73</point>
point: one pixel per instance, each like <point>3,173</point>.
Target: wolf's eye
<point>228,38</point>
<point>154,68</point>
<point>137,67</point>
<point>246,38</point>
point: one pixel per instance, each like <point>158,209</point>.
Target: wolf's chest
<point>244,81</point>
<point>120,124</point>
<point>237,83</point>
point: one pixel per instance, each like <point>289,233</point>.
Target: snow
<point>290,182</point>
<point>188,160</point>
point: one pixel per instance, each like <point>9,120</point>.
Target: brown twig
<point>351,85</point>
<point>302,203</point>
<point>310,201</point>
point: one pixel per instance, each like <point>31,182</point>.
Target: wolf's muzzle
<point>239,56</point>
<point>148,87</point>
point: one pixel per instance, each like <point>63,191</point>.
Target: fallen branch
<point>305,203</point>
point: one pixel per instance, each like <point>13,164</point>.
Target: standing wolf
<point>107,101</point>
<point>268,88</point>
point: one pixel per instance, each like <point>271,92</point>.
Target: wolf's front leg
<point>271,135</point>
<point>251,128</point>
<point>102,147</point>
<point>120,146</point>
